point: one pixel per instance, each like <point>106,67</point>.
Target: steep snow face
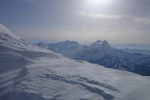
<point>37,74</point>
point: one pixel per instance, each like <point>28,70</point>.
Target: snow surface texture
<point>32,73</point>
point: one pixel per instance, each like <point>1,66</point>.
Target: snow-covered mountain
<point>28,72</point>
<point>100,52</point>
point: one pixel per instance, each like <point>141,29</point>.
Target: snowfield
<point>28,72</point>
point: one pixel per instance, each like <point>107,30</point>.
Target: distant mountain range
<point>100,52</point>
<point>132,46</point>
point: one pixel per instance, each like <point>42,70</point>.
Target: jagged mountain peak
<point>101,43</point>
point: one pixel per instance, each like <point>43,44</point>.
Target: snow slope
<point>32,73</point>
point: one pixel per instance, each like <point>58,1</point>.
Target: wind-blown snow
<point>5,30</point>
<point>34,73</point>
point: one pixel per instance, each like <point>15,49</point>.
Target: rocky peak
<point>101,43</point>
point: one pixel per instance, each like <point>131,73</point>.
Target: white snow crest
<point>5,30</point>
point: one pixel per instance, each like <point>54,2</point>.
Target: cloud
<point>99,15</point>
<point>112,16</point>
<point>94,26</point>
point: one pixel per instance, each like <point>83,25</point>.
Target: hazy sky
<point>118,21</point>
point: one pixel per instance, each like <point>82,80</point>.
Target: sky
<point>85,21</point>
